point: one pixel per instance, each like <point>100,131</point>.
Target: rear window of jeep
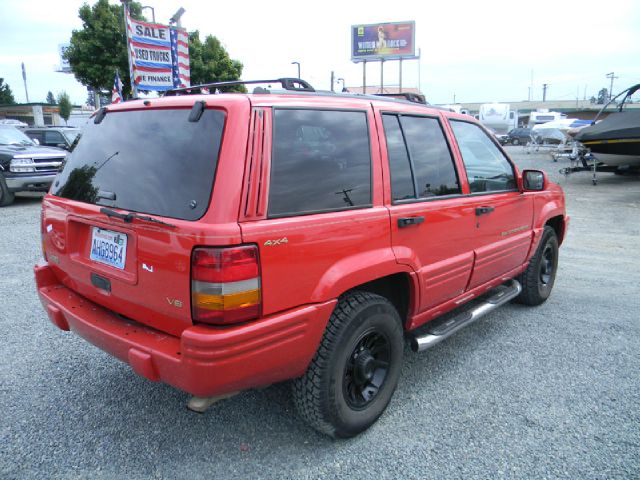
<point>321,162</point>
<point>151,161</point>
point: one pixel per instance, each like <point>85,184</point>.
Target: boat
<point>615,140</point>
<point>557,130</point>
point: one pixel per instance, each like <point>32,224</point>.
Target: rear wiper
<point>128,217</point>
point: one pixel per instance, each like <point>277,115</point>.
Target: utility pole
<point>544,91</point>
<point>611,76</point>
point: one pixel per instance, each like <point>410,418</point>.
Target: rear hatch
<point>129,206</point>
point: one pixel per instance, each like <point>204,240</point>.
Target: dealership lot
<point>545,392</point>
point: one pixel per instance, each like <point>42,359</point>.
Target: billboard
<point>383,41</point>
<point>159,55</point>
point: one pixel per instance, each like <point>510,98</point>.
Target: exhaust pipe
<point>441,330</point>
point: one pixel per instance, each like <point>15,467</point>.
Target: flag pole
<point>24,79</point>
<point>125,9</point>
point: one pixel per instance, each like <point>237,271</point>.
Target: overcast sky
<point>476,50</point>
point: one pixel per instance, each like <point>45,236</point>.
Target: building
<point>581,109</point>
<point>33,114</point>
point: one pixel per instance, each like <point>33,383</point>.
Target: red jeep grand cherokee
<point>224,242</point>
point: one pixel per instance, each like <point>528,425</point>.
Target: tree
<point>65,106</point>
<point>51,100</point>
<point>603,96</point>
<point>99,49</point>
<point>209,62</point>
<point>6,96</point>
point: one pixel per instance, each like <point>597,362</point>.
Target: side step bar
<point>438,330</point>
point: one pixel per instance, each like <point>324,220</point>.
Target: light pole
<point>298,64</point>
<point>176,17</point>
<point>153,12</point>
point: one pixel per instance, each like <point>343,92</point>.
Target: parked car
<point>24,165</point>
<point>12,122</point>
<point>247,239</point>
<point>500,137</point>
<point>519,136</point>
<point>61,137</point>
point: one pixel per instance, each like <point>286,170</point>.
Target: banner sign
<point>157,55</point>
<point>383,41</point>
<point>64,62</point>
<point>180,53</point>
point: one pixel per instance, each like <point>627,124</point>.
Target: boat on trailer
<point>615,140</point>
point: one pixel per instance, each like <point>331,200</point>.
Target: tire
<point>355,371</point>
<point>516,141</point>
<point>538,279</point>
<point>6,197</point>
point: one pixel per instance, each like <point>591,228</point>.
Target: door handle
<point>406,221</point>
<point>484,210</point>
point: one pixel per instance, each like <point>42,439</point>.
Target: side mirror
<point>62,145</point>
<point>36,141</point>
<point>534,180</point>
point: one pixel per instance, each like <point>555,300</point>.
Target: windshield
<point>13,136</point>
<point>151,161</point>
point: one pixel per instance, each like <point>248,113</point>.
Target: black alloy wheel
<point>547,267</point>
<point>366,369</point>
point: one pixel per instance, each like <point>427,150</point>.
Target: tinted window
<point>320,162</point>
<point>152,161</point>
<point>53,138</point>
<point>487,168</point>
<point>431,159</point>
<point>36,135</point>
<point>401,178</point>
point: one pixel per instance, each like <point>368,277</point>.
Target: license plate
<point>108,247</point>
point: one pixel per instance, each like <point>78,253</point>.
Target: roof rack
<point>409,96</point>
<point>292,84</point>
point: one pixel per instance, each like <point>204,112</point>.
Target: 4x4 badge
<point>273,243</point>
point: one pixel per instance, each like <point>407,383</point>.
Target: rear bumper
<point>203,361</point>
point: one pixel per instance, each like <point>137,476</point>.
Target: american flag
<point>180,58</point>
<point>116,92</point>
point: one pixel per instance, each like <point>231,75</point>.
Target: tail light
<point>225,285</point>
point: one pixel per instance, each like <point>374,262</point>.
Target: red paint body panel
<point>306,262</point>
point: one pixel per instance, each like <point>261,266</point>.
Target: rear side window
<point>419,158</point>
<point>487,168</point>
<point>151,161</point>
<point>402,186</point>
<point>321,161</point>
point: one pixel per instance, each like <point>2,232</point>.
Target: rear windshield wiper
<point>128,217</point>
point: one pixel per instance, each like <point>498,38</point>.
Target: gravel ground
<point>547,392</point>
